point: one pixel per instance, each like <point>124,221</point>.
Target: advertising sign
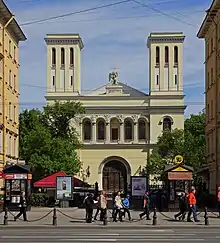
<point>64,188</point>
<point>139,185</point>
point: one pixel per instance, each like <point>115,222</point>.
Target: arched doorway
<point>114,176</point>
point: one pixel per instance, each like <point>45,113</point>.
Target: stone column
<point>121,132</point>
<point>135,132</point>
<point>93,132</point>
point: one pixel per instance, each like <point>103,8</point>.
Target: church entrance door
<point>114,176</point>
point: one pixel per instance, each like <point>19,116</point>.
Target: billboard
<point>138,185</point>
<point>64,188</point>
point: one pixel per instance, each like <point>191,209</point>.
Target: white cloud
<point>120,42</point>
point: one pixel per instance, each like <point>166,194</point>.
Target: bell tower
<point>63,64</point>
<point>165,63</point>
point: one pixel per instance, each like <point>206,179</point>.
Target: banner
<point>64,188</point>
<point>139,185</point>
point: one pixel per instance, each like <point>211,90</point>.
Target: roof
<point>6,14</point>
<point>50,181</point>
<point>17,168</point>
<point>126,89</point>
<point>71,39</point>
<point>210,14</point>
<point>173,167</point>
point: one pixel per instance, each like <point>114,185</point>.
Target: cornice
<point>119,146</point>
<point>64,41</point>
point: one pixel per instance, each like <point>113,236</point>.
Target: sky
<point>113,37</point>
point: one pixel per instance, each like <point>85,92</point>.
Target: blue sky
<point>114,36</point>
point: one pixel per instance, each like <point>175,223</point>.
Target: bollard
<point>55,217</point>
<point>206,216</point>
<point>105,220</point>
<point>155,217</point>
<point>6,216</point>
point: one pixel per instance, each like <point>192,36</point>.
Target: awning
<point>50,181</point>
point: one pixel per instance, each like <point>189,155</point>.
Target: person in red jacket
<point>192,206</point>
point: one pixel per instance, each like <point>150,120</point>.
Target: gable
<point>126,90</point>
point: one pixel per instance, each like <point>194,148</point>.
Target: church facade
<point>121,124</point>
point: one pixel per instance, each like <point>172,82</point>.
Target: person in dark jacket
<point>23,207</point>
<point>183,206</point>
<point>89,204</point>
<point>146,206</point>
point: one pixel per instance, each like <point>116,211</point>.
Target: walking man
<point>98,209</point>
<point>89,203</point>
<point>183,206</point>
<point>126,204</point>
<point>146,206</point>
<point>103,206</point>
<point>23,207</point>
<point>192,206</point>
<point>118,207</point>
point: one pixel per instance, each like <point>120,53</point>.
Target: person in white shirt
<point>118,207</point>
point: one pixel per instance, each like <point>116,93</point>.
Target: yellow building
<point>121,124</point>
<point>210,31</point>
<point>10,35</point>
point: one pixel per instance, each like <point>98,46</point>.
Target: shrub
<point>39,199</point>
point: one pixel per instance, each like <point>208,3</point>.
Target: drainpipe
<point>3,89</point>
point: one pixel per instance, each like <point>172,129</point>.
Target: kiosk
<point>179,179</point>
<point>17,178</point>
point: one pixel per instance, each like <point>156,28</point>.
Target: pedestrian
<point>98,209</point>
<point>183,206</point>
<point>89,203</point>
<point>146,206</point>
<point>114,194</point>
<point>126,205</point>
<point>84,200</point>
<point>23,207</point>
<point>118,208</point>
<point>103,206</point>
<point>218,201</point>
<point>192,206</point>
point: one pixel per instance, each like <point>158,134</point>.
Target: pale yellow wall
<point>94,158</point>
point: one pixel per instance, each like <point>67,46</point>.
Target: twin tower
<point>165,64</point>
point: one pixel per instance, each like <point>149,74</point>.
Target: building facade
<point>10,36</point>
<point>121,124</point>
<point>210,32</point>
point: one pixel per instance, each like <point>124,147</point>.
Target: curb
<point>118,227</point>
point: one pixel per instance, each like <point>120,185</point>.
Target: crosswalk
<point>49,235</point>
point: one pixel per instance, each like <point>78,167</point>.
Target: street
<point>109,235</point>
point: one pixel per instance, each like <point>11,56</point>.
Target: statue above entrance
<point>113,78</point>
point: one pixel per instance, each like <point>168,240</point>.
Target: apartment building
<point>10,36</point>
<point>210,32</point>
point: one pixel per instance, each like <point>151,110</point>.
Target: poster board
<point>64,188</point>
<point>138,185</point>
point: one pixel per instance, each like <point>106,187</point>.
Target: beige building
<point>10,36</point>
<point>210,31</point>
<point>121,124</point>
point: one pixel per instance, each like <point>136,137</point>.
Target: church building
<point>121,124</point>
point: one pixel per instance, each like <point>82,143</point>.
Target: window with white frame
<point>9,111</point>
<point>15,147</point>
<point>10,78</point>
<point>11,146</point>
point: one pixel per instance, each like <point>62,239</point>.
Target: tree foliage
<point>47,140</point>
<point>190,143</point>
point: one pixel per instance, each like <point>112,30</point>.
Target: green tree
<point>48,142</point>
<point>190,143</point>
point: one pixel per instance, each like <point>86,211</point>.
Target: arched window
<point>157,55</point>
<point>166,54</point>
<point>71,56</point>
<point>53,56</point>
<point>62,56</point>
<point>175,54</point>
<point>101,130</point>
<point>128,130</point>
<point>87,130</point>
<point>115,129</point>
<point>167,124</point>
<point>142,130</point>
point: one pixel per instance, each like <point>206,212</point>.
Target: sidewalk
<point>74,218</point>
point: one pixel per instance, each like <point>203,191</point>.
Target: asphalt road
<point>48,235</point>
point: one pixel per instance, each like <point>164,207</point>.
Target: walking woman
<point>23,207</point>
<point>183,206</point>
<point>118,207</point>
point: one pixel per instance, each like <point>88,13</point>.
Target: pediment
<point>125,90</point>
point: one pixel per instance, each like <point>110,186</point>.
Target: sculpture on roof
<point>113,78</point>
